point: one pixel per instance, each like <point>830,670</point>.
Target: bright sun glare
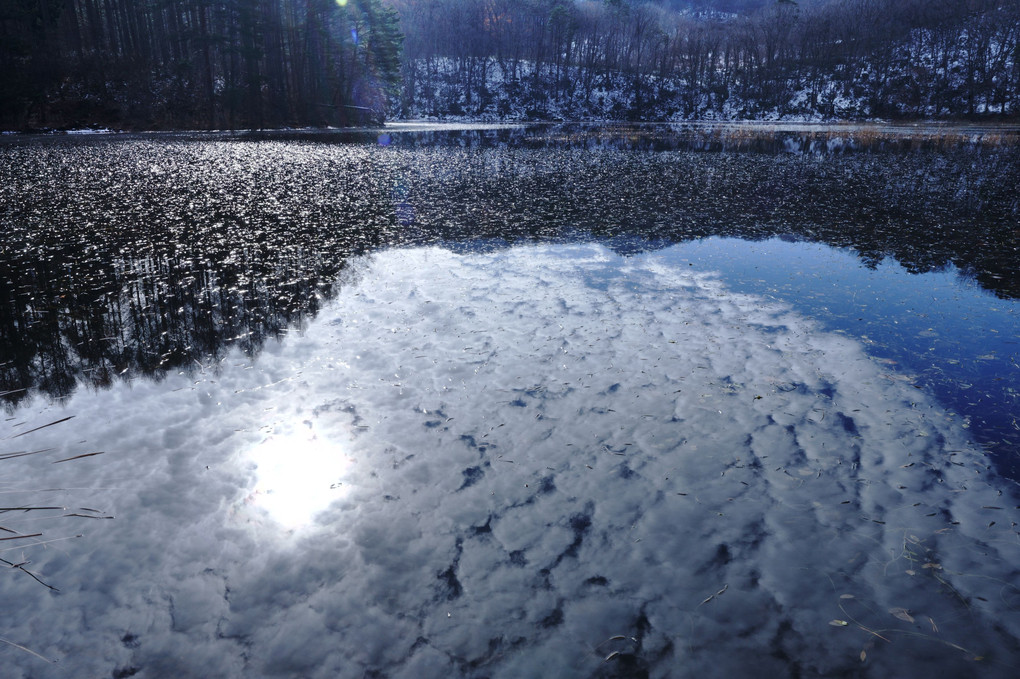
<point>298,474</point>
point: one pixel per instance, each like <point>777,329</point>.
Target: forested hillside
<point>150,64</point>
<point>195,63</point>
<point>682,59</point>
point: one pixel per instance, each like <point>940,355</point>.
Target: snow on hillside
<point>929,75</point>
<point>441,93</point>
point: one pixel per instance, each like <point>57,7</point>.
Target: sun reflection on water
<point>299,475</point>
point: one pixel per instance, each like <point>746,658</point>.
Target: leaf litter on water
<point>902,614</point>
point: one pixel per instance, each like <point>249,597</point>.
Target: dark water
<point>552,401</point>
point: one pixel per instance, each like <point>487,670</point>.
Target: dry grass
<point>16,538</point>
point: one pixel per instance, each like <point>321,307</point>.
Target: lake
<point>510,401</point>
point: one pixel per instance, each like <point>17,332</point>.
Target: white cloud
<point>498,464</point>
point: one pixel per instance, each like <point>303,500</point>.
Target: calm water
<point>556,401</point>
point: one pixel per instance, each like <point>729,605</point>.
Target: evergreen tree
<point>196,63</point>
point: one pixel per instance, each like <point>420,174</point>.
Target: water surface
<point>511,402</point>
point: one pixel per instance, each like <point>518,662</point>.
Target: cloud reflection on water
<point>550,455</point>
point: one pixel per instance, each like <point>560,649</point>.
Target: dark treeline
<point>676,59</point>
<point>273,63</point>
<point>195,63</point>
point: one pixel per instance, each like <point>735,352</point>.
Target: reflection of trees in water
<point>146,258</point>
<point>147,316</point>
<point>928,204</point>
<point>137,258</point>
